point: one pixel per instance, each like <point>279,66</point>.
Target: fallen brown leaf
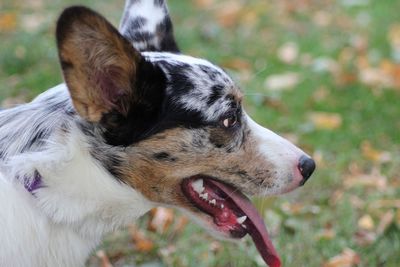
<point>366,222</point>
<point>392,70</point>
<point>228,13</point>
<point>141,242</point>
<point>347,258</point>
<point>326,234</point>
<point>321,94</point>
<point>385,221</point>
<point>203,4</point>
<point>105,262</point>
<point>374,180</point>
<point>373,154</point>
<point>282,82</point>
<point>8,22</point>
<point>160,219</point>
<point>375,77</point>
<point>237,64</point>
<point>292,208</point>
<point>180,224</point>
<point>385,204</point>
<point>322,18</point>
<point>288,52</point>
<point>364,238</point>
<point>325,120</point>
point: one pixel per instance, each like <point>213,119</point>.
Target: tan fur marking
<point>99,66</point>
<point>160,181</point>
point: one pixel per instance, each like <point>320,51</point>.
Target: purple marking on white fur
<point>33,184</point>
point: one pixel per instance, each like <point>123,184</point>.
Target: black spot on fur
<point>211,73</point>
<point>164,156</point>
<point>180,82</point>
<point>137,23</point>
<point>164,31</point>
<point>139,36</point>
<point>216,93</point>
<point>158,3</point>
<point>37,139</point>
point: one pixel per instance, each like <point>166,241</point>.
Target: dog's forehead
<point>197,84</point>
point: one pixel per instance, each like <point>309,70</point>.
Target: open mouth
<point>232,213</point>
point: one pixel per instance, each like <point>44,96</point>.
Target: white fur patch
<point>281,153</point>
<point>66,218</point>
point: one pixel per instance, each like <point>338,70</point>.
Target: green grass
<point>28,66</point>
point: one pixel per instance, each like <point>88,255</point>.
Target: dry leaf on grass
<point>364,238</point>
<point>366,222</point>
<point>228,13</point>
<point>141,242</point>
<point>160,219</point>
<point>292,208</point>
<point>326,234</point>
<point>325,120</point>
<point>321,94</point>
<point>386,220</point>
<point>375,77</point>
<point>386,204</point>
<point>281,82</point>
<point>8,22</point>
<point>392,70</point>
<point>347,258</point>
<point>374,180</point>
<point>288,52</point>
<point>32,22</point>
<point>105,262</point>
<point>373,154</point>
<point>180,224</point>
<point>204,4</point>
<point>237,64</point>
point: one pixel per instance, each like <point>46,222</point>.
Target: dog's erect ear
<point>147,25</point>
<point>99,65</point>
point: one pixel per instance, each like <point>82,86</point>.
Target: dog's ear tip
<point>76,11</point>
<point>69,16</point>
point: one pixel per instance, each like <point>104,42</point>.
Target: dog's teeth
<point>213,202</point>
<point>244,226</point>
<point>204,196</point>
<point>241,220</point>
<point>198,186</point>
<point>222,206</point>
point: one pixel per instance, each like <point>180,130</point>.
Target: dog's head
<point>185,138</point>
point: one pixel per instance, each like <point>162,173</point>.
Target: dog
<point>136,124</point>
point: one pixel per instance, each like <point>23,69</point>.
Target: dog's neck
<point>75,188</point>
<point>78,192</point>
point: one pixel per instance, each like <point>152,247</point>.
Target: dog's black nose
<point>306,167</point>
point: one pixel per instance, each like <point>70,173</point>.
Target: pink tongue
<point>255,224</point>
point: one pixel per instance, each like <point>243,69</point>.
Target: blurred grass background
<point>325,74</point>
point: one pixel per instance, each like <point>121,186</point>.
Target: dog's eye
<point>230,121</point>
